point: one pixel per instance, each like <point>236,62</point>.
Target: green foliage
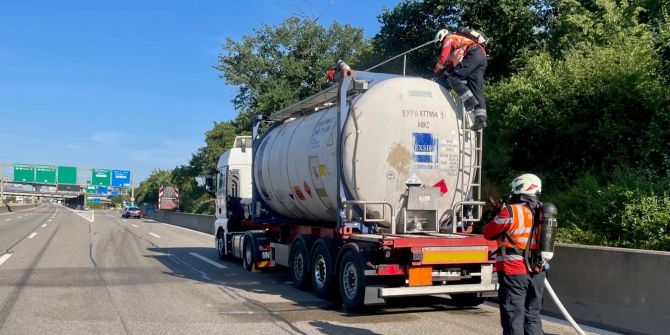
<point>280,65</point>
<point>601,105</point>
<point>147,191</point>
<point>193,198</point>
<point>516,28</point>
<point>631,211</point>
<point>218,139</point>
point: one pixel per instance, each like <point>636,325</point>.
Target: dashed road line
<point>32,235</point>
<point>134,225</point>
<point>154,235</point>
<point>8,220</point>
<point>4,258</point>
<point>207,260</point>
<point>44,225</point>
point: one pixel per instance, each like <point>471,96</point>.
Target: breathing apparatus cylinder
<point>548,230</point>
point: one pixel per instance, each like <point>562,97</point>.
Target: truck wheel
<point>299,265</point>
<point>351,281</point>
<point>322,271</point>
<point>467,300</point>
<point>220,245</point>
<point>248,256</point>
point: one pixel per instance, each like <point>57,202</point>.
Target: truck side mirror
<point>209,183</point>
<point>244,144</point>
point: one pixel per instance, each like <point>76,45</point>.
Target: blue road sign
<point>121,178</point>
<point>102,190</point>
<point>115,192</point>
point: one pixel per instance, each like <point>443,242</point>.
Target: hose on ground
<point>563,310</point>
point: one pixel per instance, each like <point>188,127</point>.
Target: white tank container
<point>399,128</point>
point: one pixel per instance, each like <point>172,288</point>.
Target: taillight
<point>264,247</point>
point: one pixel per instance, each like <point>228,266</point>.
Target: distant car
<point>131,212</point>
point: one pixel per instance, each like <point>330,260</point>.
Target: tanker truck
<point>367,190</point>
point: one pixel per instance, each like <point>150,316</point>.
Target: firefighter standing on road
<point>520,273</point>
<point>463,64</point>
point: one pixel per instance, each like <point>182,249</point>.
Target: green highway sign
<point>24,173</point>
<point>100,177</point>
<point>67,175</point>
<point>91,189</point>
<point>45,174</point>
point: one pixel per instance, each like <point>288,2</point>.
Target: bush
<point>632,211</point>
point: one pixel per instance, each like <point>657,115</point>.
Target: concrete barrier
<point>201,223</point>
<point>624,290</point>
<point>5,208</point>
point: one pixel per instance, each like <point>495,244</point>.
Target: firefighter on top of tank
<point>520,262</point>
<point>462,65</point>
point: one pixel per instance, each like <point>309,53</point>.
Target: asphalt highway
<point>62,274</point>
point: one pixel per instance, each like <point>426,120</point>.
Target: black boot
<point>480,122</point>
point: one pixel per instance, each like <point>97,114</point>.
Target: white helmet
<point>439,37</point>
<point>527,184</point>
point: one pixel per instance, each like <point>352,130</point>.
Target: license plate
<point>265,255</point>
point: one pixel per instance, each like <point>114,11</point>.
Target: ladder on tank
<point>469,206</point>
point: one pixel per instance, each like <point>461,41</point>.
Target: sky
<point>129,84</point>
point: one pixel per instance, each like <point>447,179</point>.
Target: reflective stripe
<point>467,95</point>
<point>522,223</point>
<point>503,220</point>
<point>512,258</point>
<point>480,112</point>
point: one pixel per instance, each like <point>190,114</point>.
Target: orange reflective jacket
<point>517,221</point>
<point>453,50</point>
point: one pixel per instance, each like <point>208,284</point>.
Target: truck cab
<point>233,188</point>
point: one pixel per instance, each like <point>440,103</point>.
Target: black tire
<point>221,245</point>
<point>323,276</point>
<point>248,255</point>
<point>299,265</point>
<point>466,300</point>
<point>351,281</point>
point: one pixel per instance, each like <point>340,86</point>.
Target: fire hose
<point>562,309</point>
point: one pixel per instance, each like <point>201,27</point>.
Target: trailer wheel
<point>467,300</point>
<point>322,271</point>
<point>248,256</point>
<point>299,265</point>
<point>220,245</point>
<point>351,281</point>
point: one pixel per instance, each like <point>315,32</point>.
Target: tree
<point>147,191</point>
<point>515,27</point>
<point>280,65</point>
<point>599,104</point>
<point>218,139</point>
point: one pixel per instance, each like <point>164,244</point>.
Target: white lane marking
<point>207,260</point>
<point>154,235</point>
<point>124,220</point>
<point>50,220</point>
<point>44,225</point>
<point>8,220</point>
<point>23,210</point>
<point>4,258</point>
<point>81,213</point>
<point>134,225</point>
<point>32,235</point>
